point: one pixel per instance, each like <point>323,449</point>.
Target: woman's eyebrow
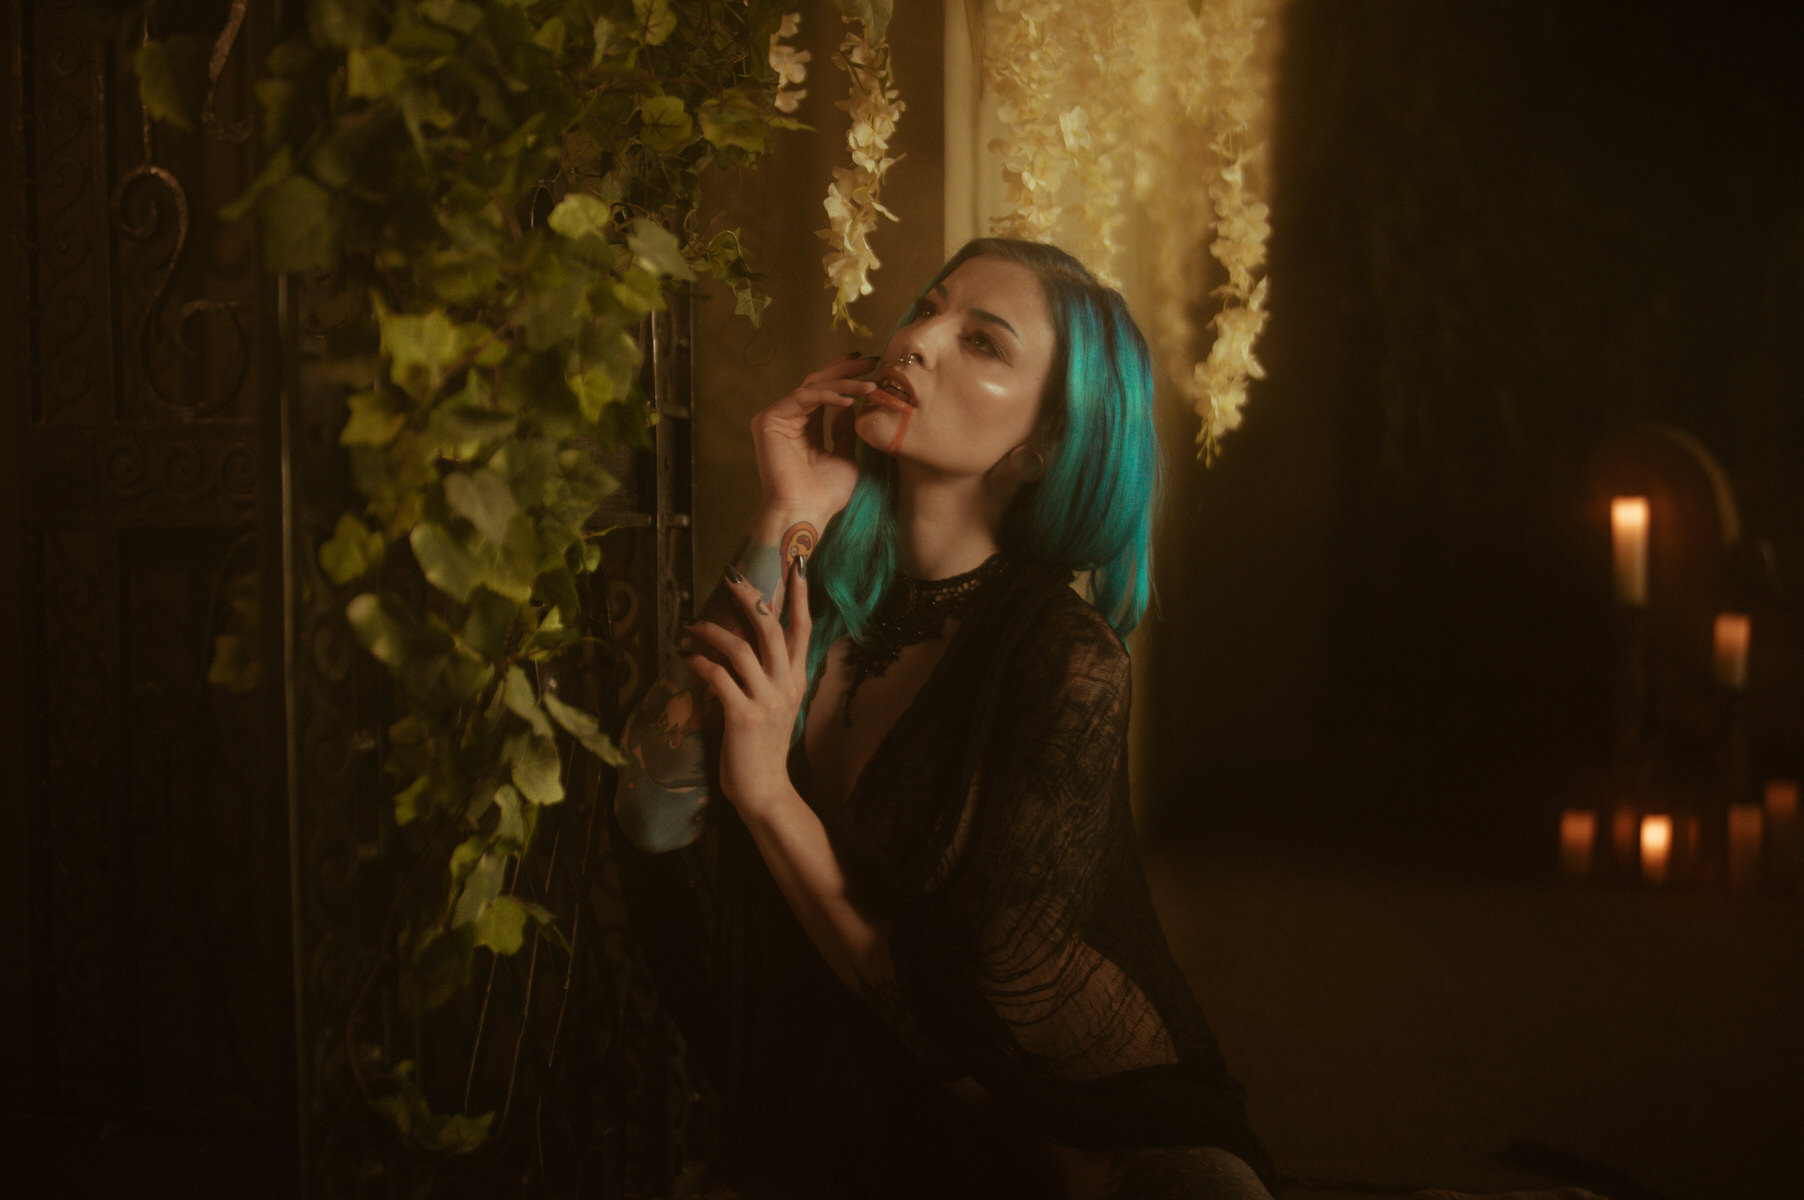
<point>982,314</point>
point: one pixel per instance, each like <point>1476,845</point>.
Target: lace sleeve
<point>1039,963</point>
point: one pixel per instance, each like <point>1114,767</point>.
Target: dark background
<point>1503,235</point>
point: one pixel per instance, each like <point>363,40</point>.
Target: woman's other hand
<point>801,477</point>
<point>760,690</point>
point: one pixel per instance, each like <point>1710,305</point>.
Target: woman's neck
<point>946,526</point>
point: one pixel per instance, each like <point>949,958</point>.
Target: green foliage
<point>409,144</point>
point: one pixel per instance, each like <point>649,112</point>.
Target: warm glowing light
<point>1656,849</point>
<point>1746,831</point>
<point>1578,840</point>
<point>1628,538</point>
<point>1732,649</point>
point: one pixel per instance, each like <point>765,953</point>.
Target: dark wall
<point>1500,234</point>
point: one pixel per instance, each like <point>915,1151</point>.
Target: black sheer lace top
<point>991,832</point>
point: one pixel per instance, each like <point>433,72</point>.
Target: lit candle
<point>1782,823</point>
<point>1656,848</point>
<point>1628,538</point>
<point>1745,829</point>
<point>1578,837</point>
<point>1732,649</point>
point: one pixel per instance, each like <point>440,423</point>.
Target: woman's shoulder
<point>1065,639</point>
<point>1068,619</point>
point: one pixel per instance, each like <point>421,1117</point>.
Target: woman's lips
<point>892,383</point>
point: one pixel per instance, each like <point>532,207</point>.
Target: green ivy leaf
<point>515,820</point>
<point>585,729</point>
<point>422,348</point>
<point>665,125</point>
<point>483,498</point>
<point>453,14</point>
<point>522,700</point>
<point>172,80</point>
<point>352,550</point>
<point>374,72</point>
<point>452,569</point>
<point>342,23</point>
<point>374,421</point>
<point>749,301</point>
<point>594,391</point>
<point>657,21</point>
<point>535,767</point>
<point>731,122</point>
<point>502,925</point>
<point>603,35</point>
<point>481,884</point>
<point>409,802</point>
<point>581,215</point>
<point>656,249</point>
<point>383,628</point>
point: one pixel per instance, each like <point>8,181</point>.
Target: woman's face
<point>960,386</point>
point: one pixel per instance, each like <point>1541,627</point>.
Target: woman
<point>915,946</point>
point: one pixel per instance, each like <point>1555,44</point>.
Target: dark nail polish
<point>801,566</point>
<point>733,575</point>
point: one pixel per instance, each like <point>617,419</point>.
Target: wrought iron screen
<point>190,786</point>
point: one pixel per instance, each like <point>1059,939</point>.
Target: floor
<point>1400,1029</point>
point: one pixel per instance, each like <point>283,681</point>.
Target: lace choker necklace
<point>911,612</point>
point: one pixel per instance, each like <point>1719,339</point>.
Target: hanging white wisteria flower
<point>1022,62</point>
<point>1136,123</point>
<point>1230,32</point>
<point>853,201</point>
<point>790,64</point>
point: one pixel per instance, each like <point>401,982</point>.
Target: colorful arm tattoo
<point>662,796</point>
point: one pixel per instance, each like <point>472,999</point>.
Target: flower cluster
<point>1023,64</point>
<point>1148,109</point>
<point>852,202</point>
<point>790,64</point>
<point>1231,31</point>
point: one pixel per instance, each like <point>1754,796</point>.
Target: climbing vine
<point>506,190</point>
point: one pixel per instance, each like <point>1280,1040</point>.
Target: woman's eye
<point>983,343</point>
<point>924,310</point>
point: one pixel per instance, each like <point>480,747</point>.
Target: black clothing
<point>991,833</point>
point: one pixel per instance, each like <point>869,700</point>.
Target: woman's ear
<point>1028,461</point>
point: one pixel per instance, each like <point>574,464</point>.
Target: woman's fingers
<point>801,621</point>
<point>736,651</point>
<point>766,632</point>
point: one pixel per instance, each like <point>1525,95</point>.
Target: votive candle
<point>1731,656</point>
<point>1628,539</point>
<point>1578,842</point>
<point>1656,848</point>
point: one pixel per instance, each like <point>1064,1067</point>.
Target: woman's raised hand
<point>799,474</point>
<point>760,689</point>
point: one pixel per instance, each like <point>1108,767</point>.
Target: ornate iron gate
<point>191,787</point>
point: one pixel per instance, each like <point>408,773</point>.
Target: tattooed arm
<point>662,798</point>
<point>805,478</point>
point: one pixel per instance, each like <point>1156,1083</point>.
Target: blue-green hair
<point>1092,510</point>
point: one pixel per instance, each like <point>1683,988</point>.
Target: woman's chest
<point>851,717</point>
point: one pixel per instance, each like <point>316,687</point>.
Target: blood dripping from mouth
<point>895,443</point>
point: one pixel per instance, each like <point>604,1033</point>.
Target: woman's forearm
<point>662,797</point>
